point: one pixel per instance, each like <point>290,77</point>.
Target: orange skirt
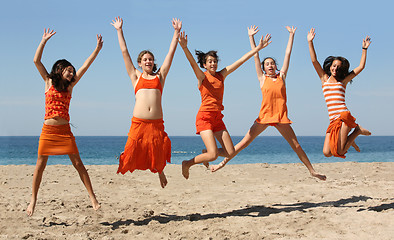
<point>147,147</point>
<point>335,127</point>
<point>57,140</point>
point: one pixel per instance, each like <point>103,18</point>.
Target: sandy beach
<point>251,201</point>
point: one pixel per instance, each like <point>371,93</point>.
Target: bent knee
<point>212,156</point>
<point>327,153</point>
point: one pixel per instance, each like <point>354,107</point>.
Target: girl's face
<point>147,63</point>
<point>335,66</point>
<point>269,66</point>
<point>211,64</point>
<point>68,73</point>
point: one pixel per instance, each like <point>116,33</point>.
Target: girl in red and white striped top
<point>334,94</point>
<point>335,76</point>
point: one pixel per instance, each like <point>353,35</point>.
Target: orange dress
<point>209,116</point>
<point>57,139</point>
<point>148,145</point>
<point>273,106</point>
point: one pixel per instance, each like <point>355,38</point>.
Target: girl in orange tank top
<point>335,74</point>
<point>273,110</point>
<point>209,123</point>
<point>56,137</point>
<point>148,145</point>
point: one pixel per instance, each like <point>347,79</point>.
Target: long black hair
<point>342,72</point>
<point>202,57</point>
<point>58,82</point>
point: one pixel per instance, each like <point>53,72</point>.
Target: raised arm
<point>197,71</point>
<point>37,57</point>
<point>252,30</point>
<point>82,70</point>
<point>177,24</point>
<point>286,61</point>
<point>264,41</point>
<point>316,64</point>
<point>357,70</point>
<point>131,70</point>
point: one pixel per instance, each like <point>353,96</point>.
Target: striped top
<point>334,94</point>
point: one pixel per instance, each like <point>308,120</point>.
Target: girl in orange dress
<point>209,121</point>
<point>148,146</point>
<point>273,110</point>
<point>334,76</point>
<point>56,137</point>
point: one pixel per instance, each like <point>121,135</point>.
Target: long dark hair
<point>202,57</point>
<point>343,71</point>
<point>142,53</point>
<point>58,82</point>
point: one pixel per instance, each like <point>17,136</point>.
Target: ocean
<point>95,150</point>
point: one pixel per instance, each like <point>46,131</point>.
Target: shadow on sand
<point>252,211</point>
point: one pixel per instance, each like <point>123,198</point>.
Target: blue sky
<point>103,100</point>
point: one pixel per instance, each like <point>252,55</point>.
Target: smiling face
<point>68,73</point>
<point>211,64</point>
<point>147,62</point>
<point>335,66</point>
<point>269,66</point>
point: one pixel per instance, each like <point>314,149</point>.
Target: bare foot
<point>30,208</point>
<point>363,131</point>
<point>185,170</point>
<point>95,204</point>
<point>163,179</point>
<point>214,168</point>
<point>319,176</point>
<point>355,146</point>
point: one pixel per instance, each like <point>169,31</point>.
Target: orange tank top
<point>148,84</point>
<point>57,104</point>
<point>211,90</point>
<point>273,107</point>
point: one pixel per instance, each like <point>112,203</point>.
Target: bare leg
<point>252,133</point>
<point>345,141</point>
<point>37,177</point>
<point>355,146</point>
<point>326,147</point>
<point>83,174</point>
<point>287,132</point>
<point>225,141</point>
<point>210,155</point>
<point>163,179</point>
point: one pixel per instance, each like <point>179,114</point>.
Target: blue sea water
<point>264,149</point>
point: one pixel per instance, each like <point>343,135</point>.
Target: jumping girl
<point>56,137</point>
<point>273,110</point>
<point>209,121</point>
<point>335,76</point>
<point>148,146</point>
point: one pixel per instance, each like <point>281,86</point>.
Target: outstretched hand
<point>117,23</point>
<point>366,41</point>
<point>311,35</point>
<point>183,39</point>
<point>99,42</point>
<point>265,41</point>
<point>252,30</point>
<point>48,34</point>
<point>291,29</point>
<point>177,24</point>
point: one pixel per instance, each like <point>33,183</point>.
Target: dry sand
<point>251,201</point>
